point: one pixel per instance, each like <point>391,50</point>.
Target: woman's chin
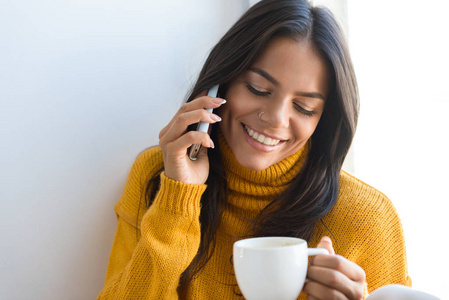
<point>253,165</point>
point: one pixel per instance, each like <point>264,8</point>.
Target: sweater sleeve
<point>149,263</point>
<point>383,252</point>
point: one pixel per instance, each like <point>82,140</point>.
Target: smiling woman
<point>284,83</point>
<point>283,133</point>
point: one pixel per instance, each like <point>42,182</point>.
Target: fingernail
<point>215,117</point>
<point>212,144</point>
<point>218,100</point>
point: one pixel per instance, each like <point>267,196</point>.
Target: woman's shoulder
<point>366,229</point>
<point>148,163</point>
<point>361,211</point>
<point>148,160</point>
<point>359,201</point>
<point>355,191</point>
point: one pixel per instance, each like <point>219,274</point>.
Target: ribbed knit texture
<point>364,226</point>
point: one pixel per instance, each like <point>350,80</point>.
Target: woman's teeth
<point>261,138</point>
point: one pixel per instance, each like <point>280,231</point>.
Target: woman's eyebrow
<point>264,74</point>
<point>270,78</point>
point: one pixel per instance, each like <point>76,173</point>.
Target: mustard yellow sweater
<point>147,265</point>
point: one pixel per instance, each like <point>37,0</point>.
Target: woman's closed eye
<point>298,107</point>
<point>304,111</point>
<point>256,91</point>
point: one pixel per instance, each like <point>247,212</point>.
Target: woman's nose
<point>277,113</point>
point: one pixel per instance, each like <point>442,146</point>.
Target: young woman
<point>270,167</point>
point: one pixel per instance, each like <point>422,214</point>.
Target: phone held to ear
<point>202,126</point>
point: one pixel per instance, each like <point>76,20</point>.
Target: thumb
<point>326,243</point>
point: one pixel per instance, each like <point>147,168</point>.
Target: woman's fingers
<point>180,168</point>
<point>180,124</point>
<point>164,130</point>
<point>326,243</point>
<point>338,275</point>
<point>174,139</point>
<point>201,103</point>
<point>335,280</point>
<point>315,290</point>
<point>340,264</point>
<point>192,137</point>
<point>333,276</point>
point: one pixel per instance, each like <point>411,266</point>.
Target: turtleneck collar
<point>269,182</point>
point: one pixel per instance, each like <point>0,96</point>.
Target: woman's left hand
<point>333,276</point>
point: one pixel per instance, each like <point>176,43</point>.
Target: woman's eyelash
<point>305,112</point>
<point>257,92</point>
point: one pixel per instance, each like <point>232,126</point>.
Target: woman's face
<point>288,83</point>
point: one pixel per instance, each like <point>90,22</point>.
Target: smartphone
<point>202,126</point>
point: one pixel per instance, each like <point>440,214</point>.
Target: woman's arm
<point>146,262</point>
<point>170,236</point>
<point>170,229</point>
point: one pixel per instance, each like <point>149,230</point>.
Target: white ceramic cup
<point>270,268</point>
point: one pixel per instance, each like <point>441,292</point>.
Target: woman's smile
<point>260,142</point>
<point>261,138</point>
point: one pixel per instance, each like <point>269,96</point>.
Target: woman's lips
<point>267,143</point>
<point>261,138</point>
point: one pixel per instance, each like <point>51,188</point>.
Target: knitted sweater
<point>146,263</point>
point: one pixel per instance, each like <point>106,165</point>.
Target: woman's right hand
<point>174,140</point>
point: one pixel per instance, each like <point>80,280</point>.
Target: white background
<point>400,50</point>
<point>86,85</point>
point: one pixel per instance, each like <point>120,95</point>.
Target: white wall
<point>81,86</point>
<point>400,50</point>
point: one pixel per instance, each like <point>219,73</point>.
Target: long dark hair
<point>314,191</point>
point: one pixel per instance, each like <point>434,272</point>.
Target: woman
<point>270,167</point>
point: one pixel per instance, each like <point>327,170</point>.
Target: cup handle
<point>313,252</point>
<point>316,251</point>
